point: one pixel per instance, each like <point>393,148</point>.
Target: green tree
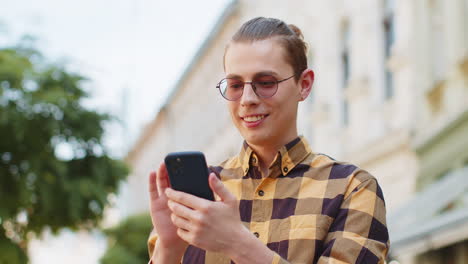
<point>127,241</point>
<point>41,109</point>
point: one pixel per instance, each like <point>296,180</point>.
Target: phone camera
<point>176,166</point>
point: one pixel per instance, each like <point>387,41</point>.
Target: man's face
<point>263,121</point>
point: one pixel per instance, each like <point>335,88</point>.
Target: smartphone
<point>188,173</point>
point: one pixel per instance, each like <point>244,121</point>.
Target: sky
<point>133,51</point>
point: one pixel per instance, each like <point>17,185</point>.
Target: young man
<point>279,201</point>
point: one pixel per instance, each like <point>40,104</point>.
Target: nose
<point>249,97</point>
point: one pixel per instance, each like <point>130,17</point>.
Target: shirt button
<point>254,160</point>
<point>285,169</point>
<point>256,234</point>
<point>261,193</point>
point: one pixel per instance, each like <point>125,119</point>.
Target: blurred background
<point>93,94</point>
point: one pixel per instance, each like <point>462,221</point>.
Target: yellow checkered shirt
<point>308,209</point>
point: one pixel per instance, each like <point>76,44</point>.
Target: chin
<point>258,138</point>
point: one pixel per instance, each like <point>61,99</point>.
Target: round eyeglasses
<point>264,86</point>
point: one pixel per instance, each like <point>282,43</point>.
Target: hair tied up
<point>296,31</point>
<point>289,37</point>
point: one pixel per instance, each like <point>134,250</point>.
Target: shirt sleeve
<point>278,260</point>
<point>358,233</point>
<point>151,244</point>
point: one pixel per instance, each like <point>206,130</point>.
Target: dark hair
<point>289,36</point>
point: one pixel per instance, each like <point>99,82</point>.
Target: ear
<point>306,82</point>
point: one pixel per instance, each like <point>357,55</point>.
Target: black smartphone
<point>188,173</point>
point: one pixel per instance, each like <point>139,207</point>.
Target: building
<point>391,95</point>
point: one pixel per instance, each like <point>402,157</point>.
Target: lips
<point>251,121</point>
<point>254,118</point>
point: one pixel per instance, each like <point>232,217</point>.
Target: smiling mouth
<point>254,118</point>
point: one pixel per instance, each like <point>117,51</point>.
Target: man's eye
<point>265,83</point>
<point>235,85</point>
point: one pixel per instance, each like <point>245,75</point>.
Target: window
<point>437,41</point>
<point>345,54</point>
<point>389,40</point>
<point>346,70</point>
<point>465,21</point>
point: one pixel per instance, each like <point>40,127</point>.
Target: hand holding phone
<point>188,173</point>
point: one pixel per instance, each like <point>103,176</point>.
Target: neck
<point>266,153</point>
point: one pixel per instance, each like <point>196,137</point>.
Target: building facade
<point>391,95</point>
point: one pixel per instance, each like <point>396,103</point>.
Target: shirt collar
<point>289,155</point>
<point>244,157</point>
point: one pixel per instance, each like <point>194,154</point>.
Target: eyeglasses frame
<point>252,84</point>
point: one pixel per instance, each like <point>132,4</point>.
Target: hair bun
<point>296,31</point>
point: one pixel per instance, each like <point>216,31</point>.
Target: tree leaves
<point>11,252</point>
<point>127,241</point>
<point>41,109</point>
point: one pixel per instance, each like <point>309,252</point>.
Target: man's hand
<point>161,214</point>
<point>213,226</point>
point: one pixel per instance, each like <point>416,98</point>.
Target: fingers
<point>162,179</point>
<point>185,235</point>
<point>153,189</point>
<point>218,188</point>
<point>186,199</point>
<point>182,211</point>
<point>180,222</point>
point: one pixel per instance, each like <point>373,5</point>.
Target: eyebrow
<point>258,74</point>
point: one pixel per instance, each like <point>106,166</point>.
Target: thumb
<point>218,188</point>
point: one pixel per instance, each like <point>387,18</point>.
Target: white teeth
<point>253,118</point>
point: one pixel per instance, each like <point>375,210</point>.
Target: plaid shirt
<point>309,209</point>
